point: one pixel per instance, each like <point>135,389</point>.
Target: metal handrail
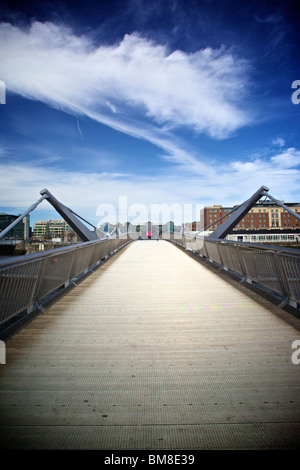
<point>13,260</point>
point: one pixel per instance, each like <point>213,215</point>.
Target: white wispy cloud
<point>201,90</point>
<point>84,192</point>
<point>278,142</point>
<point>290,158</point>
<point>280,172</point>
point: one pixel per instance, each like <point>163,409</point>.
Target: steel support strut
<point>82,231</point>
<point>21,217</point>
<point>240,212</point>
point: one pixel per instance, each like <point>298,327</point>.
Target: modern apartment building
<point>20,231</point>
<point>262,216</point>
<point>45,229</point>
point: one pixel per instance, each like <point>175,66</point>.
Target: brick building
<point>262,216</point>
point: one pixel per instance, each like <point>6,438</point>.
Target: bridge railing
<point>26,280</point>
<point>273,269</point>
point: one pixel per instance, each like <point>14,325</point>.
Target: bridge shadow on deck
<point>155,350</point>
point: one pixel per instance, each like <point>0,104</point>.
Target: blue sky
<point>156,101</point>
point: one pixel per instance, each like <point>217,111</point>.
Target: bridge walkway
<point>153,351</point>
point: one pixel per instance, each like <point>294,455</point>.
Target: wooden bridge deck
<point>153,351</point>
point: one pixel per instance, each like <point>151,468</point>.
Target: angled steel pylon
<point>82,231</point>
<point>240,212</point>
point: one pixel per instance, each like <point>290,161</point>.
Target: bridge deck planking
<point>153,351</point>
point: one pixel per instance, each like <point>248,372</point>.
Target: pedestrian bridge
<point>153,348</point>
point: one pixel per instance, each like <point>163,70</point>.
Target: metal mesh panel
<point>291,267</point>
<point>231,258</point>
<point>56,272</point>
<point>212,251</point>
<point>115,243</point>
<point>190,243</point>
<point>82,260</point>
<point>261,267</point>
<point>17,285</point>
<point>102,250</point>
<point>112,245</point>
<point>119,243</point>
<point>199,245</point>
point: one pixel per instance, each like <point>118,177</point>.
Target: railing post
<point>243,264</point>
<point>36,287</point>
<point>219,250</point>
<point>282,276</point>
<point>72,268</point>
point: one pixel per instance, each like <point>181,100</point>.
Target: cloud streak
<point>127,82</point>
